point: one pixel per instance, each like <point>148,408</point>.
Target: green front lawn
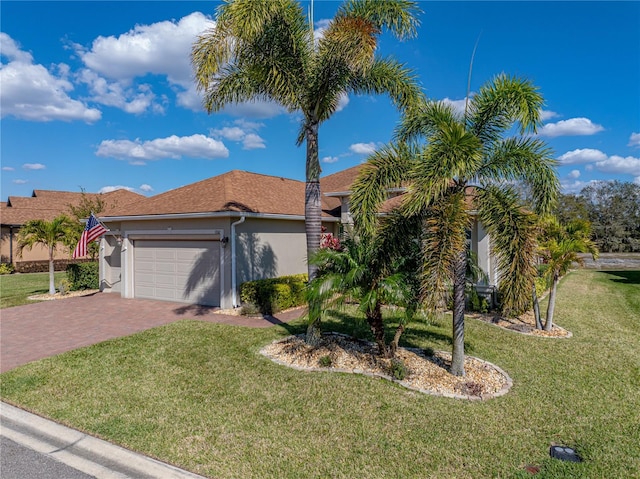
<point>16,288</point>
<point>198,395</point>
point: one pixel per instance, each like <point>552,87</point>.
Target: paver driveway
<point>40,330</point>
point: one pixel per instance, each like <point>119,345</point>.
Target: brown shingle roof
<point>236,190</point>
<point>47,204</point>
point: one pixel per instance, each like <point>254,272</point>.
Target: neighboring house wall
<point>9,249</point>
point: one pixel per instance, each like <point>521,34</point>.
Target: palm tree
<point>266,49</point>
<point>60,230</point>
<point>372,272</point>
<point>559,249</point>
<point>467,163</point>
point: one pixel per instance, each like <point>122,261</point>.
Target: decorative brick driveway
<point>40,330</point>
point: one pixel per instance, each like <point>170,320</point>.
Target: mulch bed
<point>524,324</point>
<point>426,373</point>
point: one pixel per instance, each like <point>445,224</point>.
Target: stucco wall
<point>37,253</point>
<point>270,248</point>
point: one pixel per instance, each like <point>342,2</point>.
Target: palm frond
<point>527,160</point>
<point>386,168</point>
<point>399,17</point>
<point>387,76</point>
<point>513,237</point>
<point>501,104</point>
<point>444,238</point>
<point>424,119</point>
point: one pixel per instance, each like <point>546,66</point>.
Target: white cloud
<point>137,152</point>
<point>329,159</point>
<point>343,101</point>
<point>20,182</point>
<point>596,159</point>
<point>574,174</point>
<point>109,189</point>
<point>571,127</point>
<point>146,188</point>
<point>8,168</point>
<point>162,48</point>
<point>547,115</point>
<point>634,140</point>
<point>256,109</point>
<point>252,142</point>
<point>31,92</point>
<point>243,131</point>
<point>119,94</point>
<point>10,49</point>
<point>232,133</point>
<point>573,187</point>
<point>585,155</point>
<point>457,105</point>
<point>33,166</point>
<point>363,148</point>
<point>617,164</point>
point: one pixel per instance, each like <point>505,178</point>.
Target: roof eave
<point>211,214</point>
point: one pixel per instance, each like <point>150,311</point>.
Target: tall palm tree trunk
<point>548,325</point>
<point>52,287</point>
<point>313,223</point>
<point>457,355</point>
<point>536,308</point>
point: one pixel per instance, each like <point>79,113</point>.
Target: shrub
<point>249,309</point>
<point>325,361</point>
<point>477,303</point>
<point>398,369</point>
<point>83,276</point>
<point>64,286</point>
<point>275,294</point>
<point>6,268</point>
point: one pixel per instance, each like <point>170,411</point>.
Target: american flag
<point>92,231</point>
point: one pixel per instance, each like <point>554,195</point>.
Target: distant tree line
<point>613,208</point>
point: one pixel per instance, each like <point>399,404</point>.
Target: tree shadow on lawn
<point>420,333</point>
<point>623,276</point>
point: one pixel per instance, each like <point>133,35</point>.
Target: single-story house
<point>45,205</point>
<point>196,244</point>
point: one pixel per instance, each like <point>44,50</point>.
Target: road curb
<point>81,451</point>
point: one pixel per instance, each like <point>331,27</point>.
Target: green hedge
<point>276,294</point>
<point>83,276</point>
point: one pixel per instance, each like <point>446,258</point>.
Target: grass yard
<point>16,288</point>
<point>198,395</point>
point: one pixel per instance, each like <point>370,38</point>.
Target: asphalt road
<point>20,462</point>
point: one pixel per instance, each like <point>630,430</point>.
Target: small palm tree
<point>451,164</point>
<point>559,249</point>
<point>51,234</point>
<point>266,49</point>
<point>367,271</point>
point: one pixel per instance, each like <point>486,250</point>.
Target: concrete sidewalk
<point>82,452</point>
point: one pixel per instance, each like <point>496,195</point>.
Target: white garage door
<point>183,271</point>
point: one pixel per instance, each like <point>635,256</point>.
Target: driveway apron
<point>47,328</point>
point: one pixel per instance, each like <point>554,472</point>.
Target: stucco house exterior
<point>196,244</point>
<point>45,205</point>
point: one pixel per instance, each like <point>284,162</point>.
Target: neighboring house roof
<point>235,191</point>
<point>47,204</point>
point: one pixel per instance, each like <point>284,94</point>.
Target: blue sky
<point>98,95</point>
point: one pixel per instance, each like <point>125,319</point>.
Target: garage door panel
<point>184,271</point>
<point>165,267</point>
